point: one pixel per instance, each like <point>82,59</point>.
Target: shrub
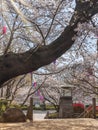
<point>78,107</point>
<point>3,105</point>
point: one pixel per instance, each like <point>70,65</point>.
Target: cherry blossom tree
<point>35,24</point>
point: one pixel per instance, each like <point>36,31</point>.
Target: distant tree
<point>12,87</point>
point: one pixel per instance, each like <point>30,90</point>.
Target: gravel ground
<point>63,124</point>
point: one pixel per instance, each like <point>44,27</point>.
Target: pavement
<point>57,124</point>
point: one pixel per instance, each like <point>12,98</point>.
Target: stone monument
<point>66,104</point>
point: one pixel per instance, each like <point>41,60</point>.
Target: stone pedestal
<point>65,107</point>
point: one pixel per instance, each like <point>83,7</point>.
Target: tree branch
<point>12,65</point>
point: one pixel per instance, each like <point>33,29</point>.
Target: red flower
<point>78,105</point>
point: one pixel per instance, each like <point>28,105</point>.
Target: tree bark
<point>12,65</point>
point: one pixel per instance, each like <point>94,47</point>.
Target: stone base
<point>66,107</point>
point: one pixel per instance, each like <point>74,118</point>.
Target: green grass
<point>50,107</point>
<point>53,115</point>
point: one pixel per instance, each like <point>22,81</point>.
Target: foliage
<point>50,107</point>
<point>53,115</point>
<point>3,105</point>
<point>46,107</point>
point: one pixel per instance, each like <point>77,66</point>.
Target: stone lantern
<point>66,104</point>
<point>66,91</point>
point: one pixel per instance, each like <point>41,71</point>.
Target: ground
<point>63,124</point>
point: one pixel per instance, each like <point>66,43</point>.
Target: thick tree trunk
<point>12,65</point>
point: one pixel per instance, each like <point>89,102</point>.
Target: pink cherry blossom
<point>4,29</point>
<point>41,98</point>
<point>35,84</point>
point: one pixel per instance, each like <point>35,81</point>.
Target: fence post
<point>94,107</point>
<point>30,110</point>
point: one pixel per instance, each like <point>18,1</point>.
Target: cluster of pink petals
<point>35,84</point>
<point>38,92</point>
<point>41,98</point>
<point>4,29</point>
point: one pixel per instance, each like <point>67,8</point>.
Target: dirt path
<point>63,124</point>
